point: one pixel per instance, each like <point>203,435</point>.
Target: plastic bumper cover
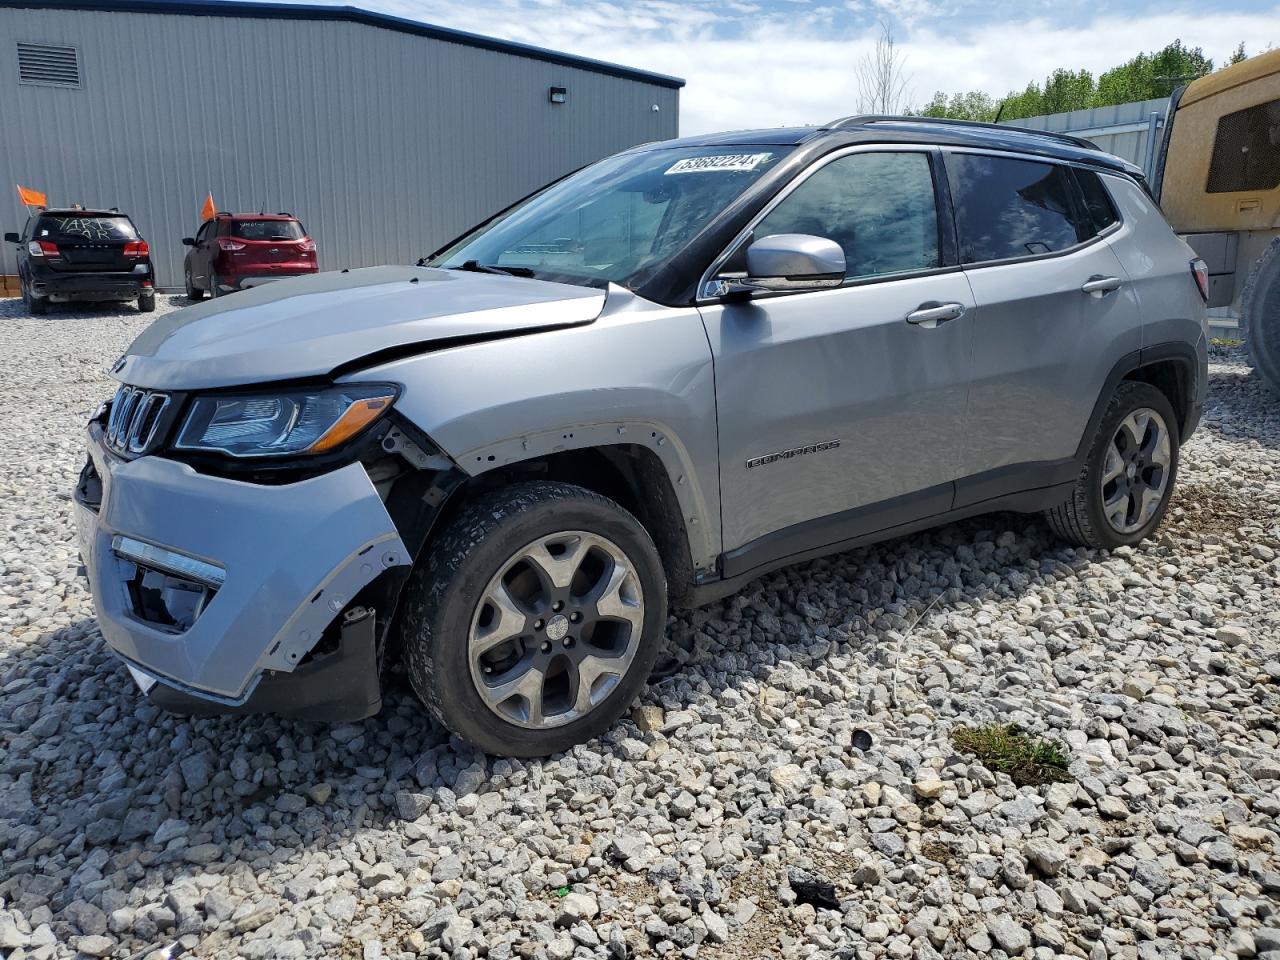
<point>272,567</point>
<point>88,286</point>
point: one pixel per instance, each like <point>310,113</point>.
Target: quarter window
<point>1097,202</point>
<point>1010,208</point>
<point>1246,150</point>
<point>878,206</point>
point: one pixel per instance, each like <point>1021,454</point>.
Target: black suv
<point>83,255</point>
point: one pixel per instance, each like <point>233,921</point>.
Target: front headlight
<point>292,422</point>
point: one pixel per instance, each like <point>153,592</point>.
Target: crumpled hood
<point>308,326</point>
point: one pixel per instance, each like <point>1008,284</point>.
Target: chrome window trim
<point>710,275</point>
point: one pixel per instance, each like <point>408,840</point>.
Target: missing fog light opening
<point>559,95</point>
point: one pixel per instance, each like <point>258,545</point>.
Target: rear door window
<point>878,206</point>
<point>267,229</point>
<point>1008,208</point>
<point>79,228</point>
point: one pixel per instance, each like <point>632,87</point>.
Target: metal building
<point>386,137</point>
<point>1129,130</point>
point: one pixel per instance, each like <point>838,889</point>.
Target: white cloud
<point>753,66</point>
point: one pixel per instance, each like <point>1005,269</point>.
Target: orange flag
<point>32,198</point>
<point>208,210</point>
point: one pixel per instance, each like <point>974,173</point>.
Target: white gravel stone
<point>255,837</point>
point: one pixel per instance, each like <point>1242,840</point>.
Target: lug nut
<point>575,617</point>
<point>557,606</point>
<point>537,624</point>
<point>568,642</point>
<point>546,646</point>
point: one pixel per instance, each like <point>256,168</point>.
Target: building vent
<point>48,65</point>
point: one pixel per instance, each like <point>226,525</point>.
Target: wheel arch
<point>634,475</point>
<point>1175,368</point>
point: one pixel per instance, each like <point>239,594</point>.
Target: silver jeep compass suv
<point>645,385</point>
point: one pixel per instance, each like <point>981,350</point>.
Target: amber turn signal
<point>356,417</point>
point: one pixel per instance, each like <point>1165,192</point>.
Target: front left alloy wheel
<point>535,619</point>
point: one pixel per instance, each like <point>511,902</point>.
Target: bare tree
<point>882,78</point>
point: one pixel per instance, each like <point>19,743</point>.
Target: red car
<point>235,251</point>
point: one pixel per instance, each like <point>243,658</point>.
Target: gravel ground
<point>689,830</point>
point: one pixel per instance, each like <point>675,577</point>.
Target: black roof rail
<point>859,120</point>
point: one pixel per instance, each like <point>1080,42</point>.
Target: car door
<point>840,410</point>
<point>200,253</point>
<point>1054,313</point>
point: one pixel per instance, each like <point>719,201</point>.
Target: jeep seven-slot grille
<point>135,416</point>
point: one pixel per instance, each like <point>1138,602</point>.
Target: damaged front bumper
<point>235,596</point>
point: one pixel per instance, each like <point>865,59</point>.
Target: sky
<point>767,63</point>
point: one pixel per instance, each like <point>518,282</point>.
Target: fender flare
<point>1181,352</point>
<point>670,451</point>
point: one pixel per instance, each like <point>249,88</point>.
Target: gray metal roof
<point>298,11</point>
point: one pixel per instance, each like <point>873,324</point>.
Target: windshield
<point>616,220</point>
<point>83,228</point>
<point>267,229</point>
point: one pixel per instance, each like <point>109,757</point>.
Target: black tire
<point>445,590</point>
<point>213,287</point>
<point>36,306</point>
<point>147,303</point>
<point>193,292</point>
<point>1082,520</point>
<point>1260,312</point>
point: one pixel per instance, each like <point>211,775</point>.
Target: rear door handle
<point>1100,286</point>
<point>929,315</point>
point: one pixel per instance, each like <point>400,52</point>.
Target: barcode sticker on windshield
<point>733,161</point>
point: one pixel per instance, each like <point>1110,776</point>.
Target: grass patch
<point>1003,747</point>
<point>1229,342</point>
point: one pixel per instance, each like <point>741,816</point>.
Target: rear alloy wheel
<point>535,620</point>
<point>1136,471</point>
<point>193,292</point>
<point>213,287</point>
<point>1124,489</point>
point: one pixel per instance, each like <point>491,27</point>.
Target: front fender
<point>641,374</point>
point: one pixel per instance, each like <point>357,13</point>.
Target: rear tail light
<point>136,248</point>
<point>230,246</point>
<point>42,248</point>
<point>1200,270</point>
<point>307,245</point>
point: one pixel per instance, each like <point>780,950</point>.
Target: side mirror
<point>789,262</point>
<point>188,241</point>
<point>11,238</point>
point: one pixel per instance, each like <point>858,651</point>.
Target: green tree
<point>1238,56</point>
<point>1149,76</point>
<point>1066,90</point>
<point>974,105</point>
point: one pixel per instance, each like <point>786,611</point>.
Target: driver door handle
<point>929,315</point>
<point>1100,286</point>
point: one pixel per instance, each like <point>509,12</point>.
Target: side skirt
<point>879,522</point>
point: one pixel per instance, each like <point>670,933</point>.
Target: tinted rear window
<point>1010,208</point>
<point>84,229</point>
<point>267,229</point>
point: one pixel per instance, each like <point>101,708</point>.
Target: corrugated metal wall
<point>385,144</point>
<point>1124,130</point>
